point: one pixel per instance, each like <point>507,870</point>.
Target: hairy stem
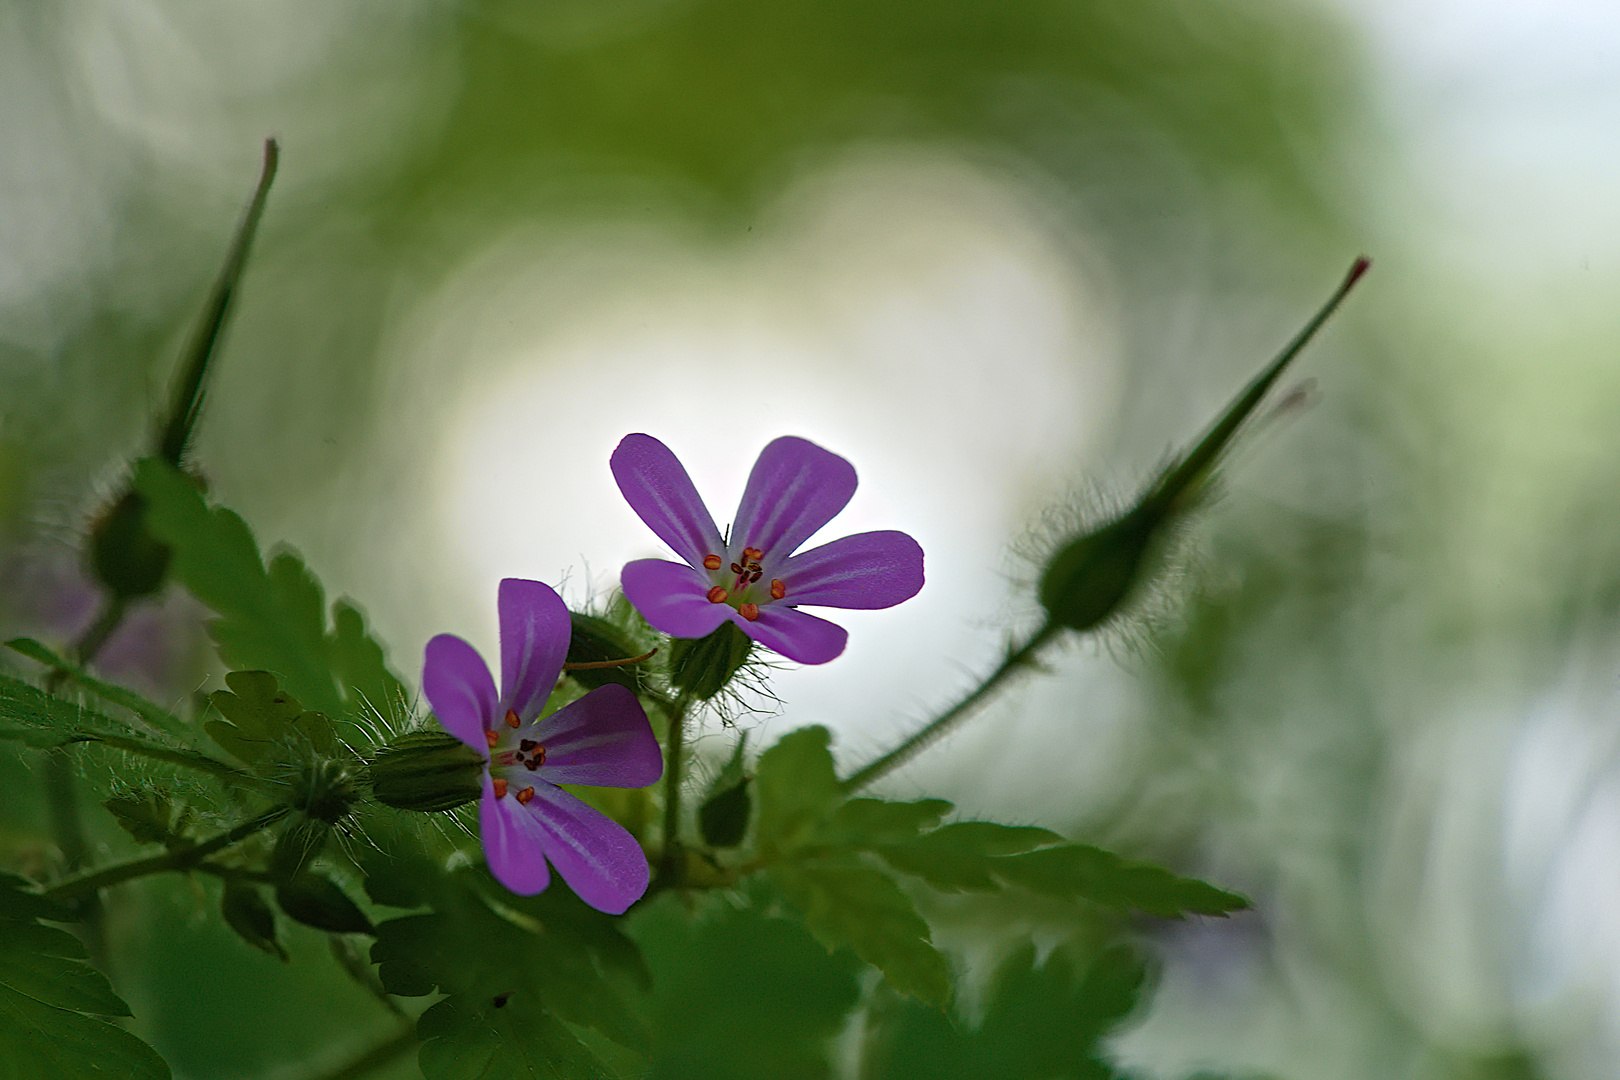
<point>178,859</point>
<point>1021,657</point>
<point>673,861</point>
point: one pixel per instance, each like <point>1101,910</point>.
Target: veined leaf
<point>795,787</point>
<point>499,1037</point>
<point>261,718</point>
<point>52,1002</point>
<point>151,712</point>
<point>271,617</point>
<point>847,903</point>
<point>1041,1020</point>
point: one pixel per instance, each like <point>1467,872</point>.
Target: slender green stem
<point>1016,659</point>
<point>673,860</point>
<point>178,859</point>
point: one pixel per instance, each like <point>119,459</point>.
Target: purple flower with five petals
<point>603,739</point>
<point>752,577</point>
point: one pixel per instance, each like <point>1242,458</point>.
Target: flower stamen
<point>525,795</point>
<point>499,783</point>
<point>711,562</point>
<point>492,737</point>
<point>512,718</point>
<point>749,611</point>
<point>718,594</point>
<point>778,590</point>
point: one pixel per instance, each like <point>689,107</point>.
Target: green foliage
<point>496,1038</point>
<point>151,815</point>
<point>740,993</point>
<point>796,787</point>
<point>29,714</point>
<point>262,719</point>
<point>545,954</point>
<point>52,1002</point>
<point>1042,1021</point>
<point>152,713</point>
<point>247,912</point>
<point>316,900</point>
<point>977,855</point>
<point>723,815</point>
<point>271,616</point>
<point>703,667</point>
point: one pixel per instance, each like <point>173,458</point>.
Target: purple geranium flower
<point>755,580</point>
<point>602,739</point>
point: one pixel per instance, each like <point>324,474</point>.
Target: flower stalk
<point>177,859</point>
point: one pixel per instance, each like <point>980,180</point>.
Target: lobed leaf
<point>52,1001</point>
<point>499,1037</point>
<point>154,714</point>
<point>847,903</point>
<point>740,993</point>
<point>795,786</point>
<point>1046,1020</point>
<point>271,617</point>
<point>260,718</point>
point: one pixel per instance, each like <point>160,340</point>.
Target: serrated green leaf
<point>739,993</point>
<point>959,855</point>
<point>151,712</point>
<point>499,1038</point>
<point>150,815</point>
<point>847,903</point>
<point>550,947</point>
<point>1079,871</point>
<point>795,786</point>
<point>871,823</point>
<point>29,709</point>
<point>271,617</point>
<point>261,718</point>
<point>982,856</point>
<point>51,1001</point>
<point>1043,1020</point>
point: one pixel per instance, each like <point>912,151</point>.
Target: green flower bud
<point>595,640</point>
<point>1093,576</point>
<point>703,666</point>
<point>427,771</point>
<point>301,839</point>
<point>247,913</point>
<point>325,789</point>
<point>124,555</point>
<point>319,902</point>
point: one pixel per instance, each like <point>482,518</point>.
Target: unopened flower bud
<point>703,666</point>
<point>426,771</point>
<point>1093,576</point>
<point>594,641</point>
<point>124,556</point>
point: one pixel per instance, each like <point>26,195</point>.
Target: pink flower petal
<point>672,598</point>
<point>534,643</point>
<point>601,862</point>
<point>867,570</point>
<point>656,486</point>
<point>795,488</point>
<point>797,635</point>
<point>514,846</point>
<point>460,689</point>
<point>603,739</point>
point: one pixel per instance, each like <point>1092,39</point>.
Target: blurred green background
<point>1003,256</point>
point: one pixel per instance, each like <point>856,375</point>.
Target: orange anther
<point>499,783</point>
<point>711,562</point>
<point>512,718</point>
<point>749,611</point>
<point>525,795</point>
<point>778,590</point>
<point>752,554</point>
<point>492,737</point>
<point>717,595</point>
